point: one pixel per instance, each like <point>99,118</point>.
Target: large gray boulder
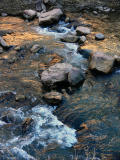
<point>101,62</point>
<point>62,72</point>
<point>50,17</point>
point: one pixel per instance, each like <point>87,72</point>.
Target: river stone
<point>29,14</point>
<point>3,43</point>
<point>56,74</point>
<point>101,62</point>
<point>50,17</point>
<point>82,31</point>
<point>35,48</point>
<point>99,36</point>
<point>1,50</point>
<point>62,72</point>
<point>53,98</point>
<point>70,38</point>
<point>82,39</point>
<point>75,76</point>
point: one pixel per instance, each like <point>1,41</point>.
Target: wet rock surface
<point>54,98</point>
<point>101,62</point>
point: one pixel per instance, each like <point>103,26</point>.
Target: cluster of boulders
<point>45,18</point>
<point>58,76</point>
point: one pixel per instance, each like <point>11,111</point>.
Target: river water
<point>86,125</point>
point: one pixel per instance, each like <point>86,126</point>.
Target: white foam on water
<point>2,123</point>
<point>72,47</point>
<point>20,153</point>
<point>49,129</point>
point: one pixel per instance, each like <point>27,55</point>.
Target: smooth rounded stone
<point>4,14</point>
<point>101,62</point>
<point>86,53</point>
<point>82,31</point>
<point>50,17</point>
<point>3,43</point>
<point>1,50</point>
<point>82,39</point>
<point>29,14</point>
<point>20,97</point>
<point>99,36</point>
<point>53,97</point>
<point>95,12</point>
<point>75,76</point>
<point>70,38</point>
<point>56,74</point>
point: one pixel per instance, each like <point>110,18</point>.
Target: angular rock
<point>29,14</point>
<point>50,17</point>
<point>99,36</point>
<point>70,38</point>
<point>56,74</point>
<point>3,43</point>
<point>75,76</point>
<point>82,31</point>
<point>53,98</point>
<point>101,62</point>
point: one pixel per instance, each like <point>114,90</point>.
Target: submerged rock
<point>82,31</point>
<point>29,14</point>
<point>70,38</point>
<point>99,36</point>
<point>53,97</point>
<point>101,62</point>
<point>3,43</point>
<point>50,17</point>
<point>61,72</point>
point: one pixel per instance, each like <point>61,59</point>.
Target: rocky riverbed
<point>59,86</point>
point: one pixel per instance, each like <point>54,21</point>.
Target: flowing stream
<point>86,125</point>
